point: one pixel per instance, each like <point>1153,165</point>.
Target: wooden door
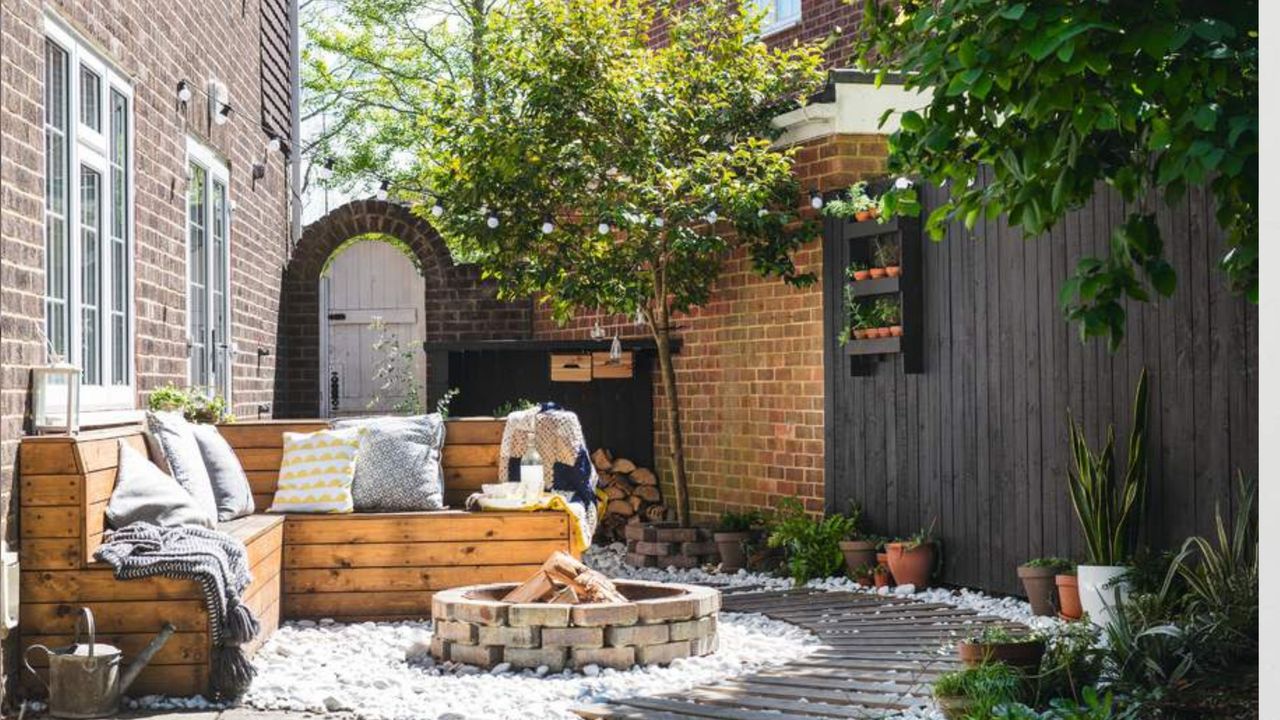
<point>371,282</point>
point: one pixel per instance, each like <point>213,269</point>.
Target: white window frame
<point>773,23</point>
<point>216,170</point>
<point>102,403</point>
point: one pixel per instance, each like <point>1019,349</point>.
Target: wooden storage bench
<point>347,567</point>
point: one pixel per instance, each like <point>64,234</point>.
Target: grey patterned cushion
<point>398,467</point>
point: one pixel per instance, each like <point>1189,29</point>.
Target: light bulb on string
<point>615,351</point>
<point>383,188</point>
<point>325,171</point>
<point>492,221</point>
<point>184,92</point>
<point>712,216</point>
<point>437,207</point>
<point>762,212</point>
<point>597,332</point>
<point>603,228</point>
<point>548,225</point>
<point>815,199</point>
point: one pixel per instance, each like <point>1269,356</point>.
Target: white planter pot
<point>1097,593</point>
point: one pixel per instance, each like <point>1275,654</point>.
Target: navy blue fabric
<point>575,479</point>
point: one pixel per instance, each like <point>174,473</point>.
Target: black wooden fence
<point>978,437</point>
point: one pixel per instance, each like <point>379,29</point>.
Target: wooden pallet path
<point>879,656</point>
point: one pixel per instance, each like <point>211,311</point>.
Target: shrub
<point>741,521</point>
<point>812,546</point>
<point>987,686</point>
<point>1057,564</point>
<point>511,406</point>
<point>195,405</point>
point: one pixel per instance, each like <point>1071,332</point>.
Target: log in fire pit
<point>570,616</point>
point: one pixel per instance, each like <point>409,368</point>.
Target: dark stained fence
<point>978,438</point>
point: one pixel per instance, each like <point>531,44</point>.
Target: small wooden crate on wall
<point>602,368</point>
<point>567,367</point>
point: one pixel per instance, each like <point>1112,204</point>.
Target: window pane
<point>90,98</point>
<point>90,275</point>
<point>119,272</point>
<point>197,271</point>
<point>57,267</point>
<point>221,323</point>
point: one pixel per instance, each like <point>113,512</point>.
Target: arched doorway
<point>457,305</point>
<point>372,329</point>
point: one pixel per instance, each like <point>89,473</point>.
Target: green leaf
<point>1163,278</point>
<point>911,121</point>
<point>1014,12</point>
<point>1206,117</point>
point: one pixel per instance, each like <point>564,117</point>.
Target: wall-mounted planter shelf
<point>873,346</point>
<point>876,286</point>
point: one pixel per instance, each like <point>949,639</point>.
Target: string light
<point>223,114</point>
<point>603,228</point>
<point>815,199</point>
<point>383,187</point>
<point>548,225</point>
<point>184,92</point>
<point>762,212</point>
<point>658,221</point>
<point>712,216</point>
<point>326,170</point>
<point>437,207</point>
<point>274,144</point>
<point>492,221</point>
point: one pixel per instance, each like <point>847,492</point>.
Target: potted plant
<point>1109,511</point>
<point>911,560</point>
<point>1068,595</point>
<point>891,316</point>
<point>168,399</point>
<point>811,545</point>
<point>1037,580</point>
<point>886,256</point>
<point>859,552</point>
<point>859,271</point>
<point>997,644</point>
<point>882,576</point>
<point>736,531</point>
<point>865,576</point>
<point>975,692</point>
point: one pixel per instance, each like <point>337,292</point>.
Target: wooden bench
<point>347,567</point>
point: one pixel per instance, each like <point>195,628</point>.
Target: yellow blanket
<point>581,526</point>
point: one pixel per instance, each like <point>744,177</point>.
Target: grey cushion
<point>144,493</point>
<point>170,434</point>
<point>230,485</point>
<point>398,467</point>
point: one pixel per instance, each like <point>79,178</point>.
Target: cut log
<point>616,491</point>
<point>643,476</point>
<point>535,589</point>
<point>636,501</point>
<point>607,478</point>
<point>655,513</point>
<point>620,507</point>
<point>602,459</point>
<point>590,585</point>
<point>624,466</point>
<point>648,493</point>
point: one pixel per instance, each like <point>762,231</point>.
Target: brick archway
<point>458,305</point>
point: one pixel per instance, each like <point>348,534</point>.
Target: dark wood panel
<point>978,439</point>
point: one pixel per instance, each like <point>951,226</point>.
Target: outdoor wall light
<point>184,92</point>
<point>548,226</point>
<point>815,199</point>
<point>325,171</point>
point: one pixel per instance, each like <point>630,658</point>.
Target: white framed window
<point>208,271</point>
<point>779,15</point>
<point>88,128</point>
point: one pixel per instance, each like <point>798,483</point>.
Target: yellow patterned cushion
<point>316,472</point>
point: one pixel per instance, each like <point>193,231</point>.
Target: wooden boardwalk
<point>879,656</point>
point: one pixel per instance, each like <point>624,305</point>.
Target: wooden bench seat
<point>347,567</point>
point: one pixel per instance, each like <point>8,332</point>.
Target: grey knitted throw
<point>220,564</point>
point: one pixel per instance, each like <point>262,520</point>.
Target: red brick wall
<point>750,370</point>
<point>819,20</point>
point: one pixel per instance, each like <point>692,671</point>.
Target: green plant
<point>1051,100</point>
<point>855,520</point>
<point>1110,512</point>
<point>999,635</point>
<point>855,313</point>
<point>731,521</point>
<point>923,536</point>
<point>851,202</point>
<point>811,546</point>
<point>1059,565</point>
<point>886,253</point>
<point>169,397</point>
<point>442,405</point>
<point>1090,706</point>
<point>987,686</point>
<point>856,266</point>
<point>511,406</point>
<point>887,312</point>
<point>396,373</point>
<point>208,409</point>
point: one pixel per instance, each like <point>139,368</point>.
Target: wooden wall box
<point>570,367</point>
<point>603,369</point>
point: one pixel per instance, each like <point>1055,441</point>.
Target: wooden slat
<point>53,456</point>
<point>416,527</point>
<point>113,617</point>
<point>50,490</point>
<point>264,435</point>
<point>363,605</point>
<point>398,579</point>
<point>469,478</point>
<point>470,456</point>
<point>51,554</point>
<point>83,586</point>
<point>429,554</point>
<point>50,522</point>
<point>474,431</point>
<point>98,485</point>
<point>260,459</point>
<point>181,649</point>
<point>101,454</point>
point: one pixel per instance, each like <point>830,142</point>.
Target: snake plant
<point>1110,510</point>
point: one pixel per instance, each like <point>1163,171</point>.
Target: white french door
<point>208,272</point>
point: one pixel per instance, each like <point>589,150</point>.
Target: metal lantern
<point>55,398</point>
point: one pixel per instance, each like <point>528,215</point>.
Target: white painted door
<point>368,282</point>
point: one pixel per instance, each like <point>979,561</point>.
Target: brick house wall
<point>154,44</point>
<point>750,371</point>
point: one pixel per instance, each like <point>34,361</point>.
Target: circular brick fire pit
<point>661,622</point>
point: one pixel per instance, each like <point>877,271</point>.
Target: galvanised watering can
<point>85,679</point>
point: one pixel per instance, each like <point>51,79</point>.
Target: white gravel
<point>384,671</point>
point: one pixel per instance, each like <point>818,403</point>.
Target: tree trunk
<point>675,435</point>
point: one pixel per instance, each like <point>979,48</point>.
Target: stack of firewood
<point>633,494</point>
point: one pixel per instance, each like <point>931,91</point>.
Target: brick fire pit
<point>661,622</point>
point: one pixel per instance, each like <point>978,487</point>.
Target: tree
<point>597,172</point>
<point>1053,97</point>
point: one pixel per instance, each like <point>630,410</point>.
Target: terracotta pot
<point>858,554</point>
<point>733,550</point>
<point>861,274</point>
<point>893,270</point>
<point>863,582</point>
<point>883,578</point>
<point>883,332</point>
<point>862,215</point>
<point>860,334</point>
<point>1068,597</point>
<point>882,558</point>
<point>1038,582</point>
<point>911,565</point>
<point>1022,655</point>
<point>875,212</point>
<point>877,273</point>
<point>954,708</point>
<point>895,331</point>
